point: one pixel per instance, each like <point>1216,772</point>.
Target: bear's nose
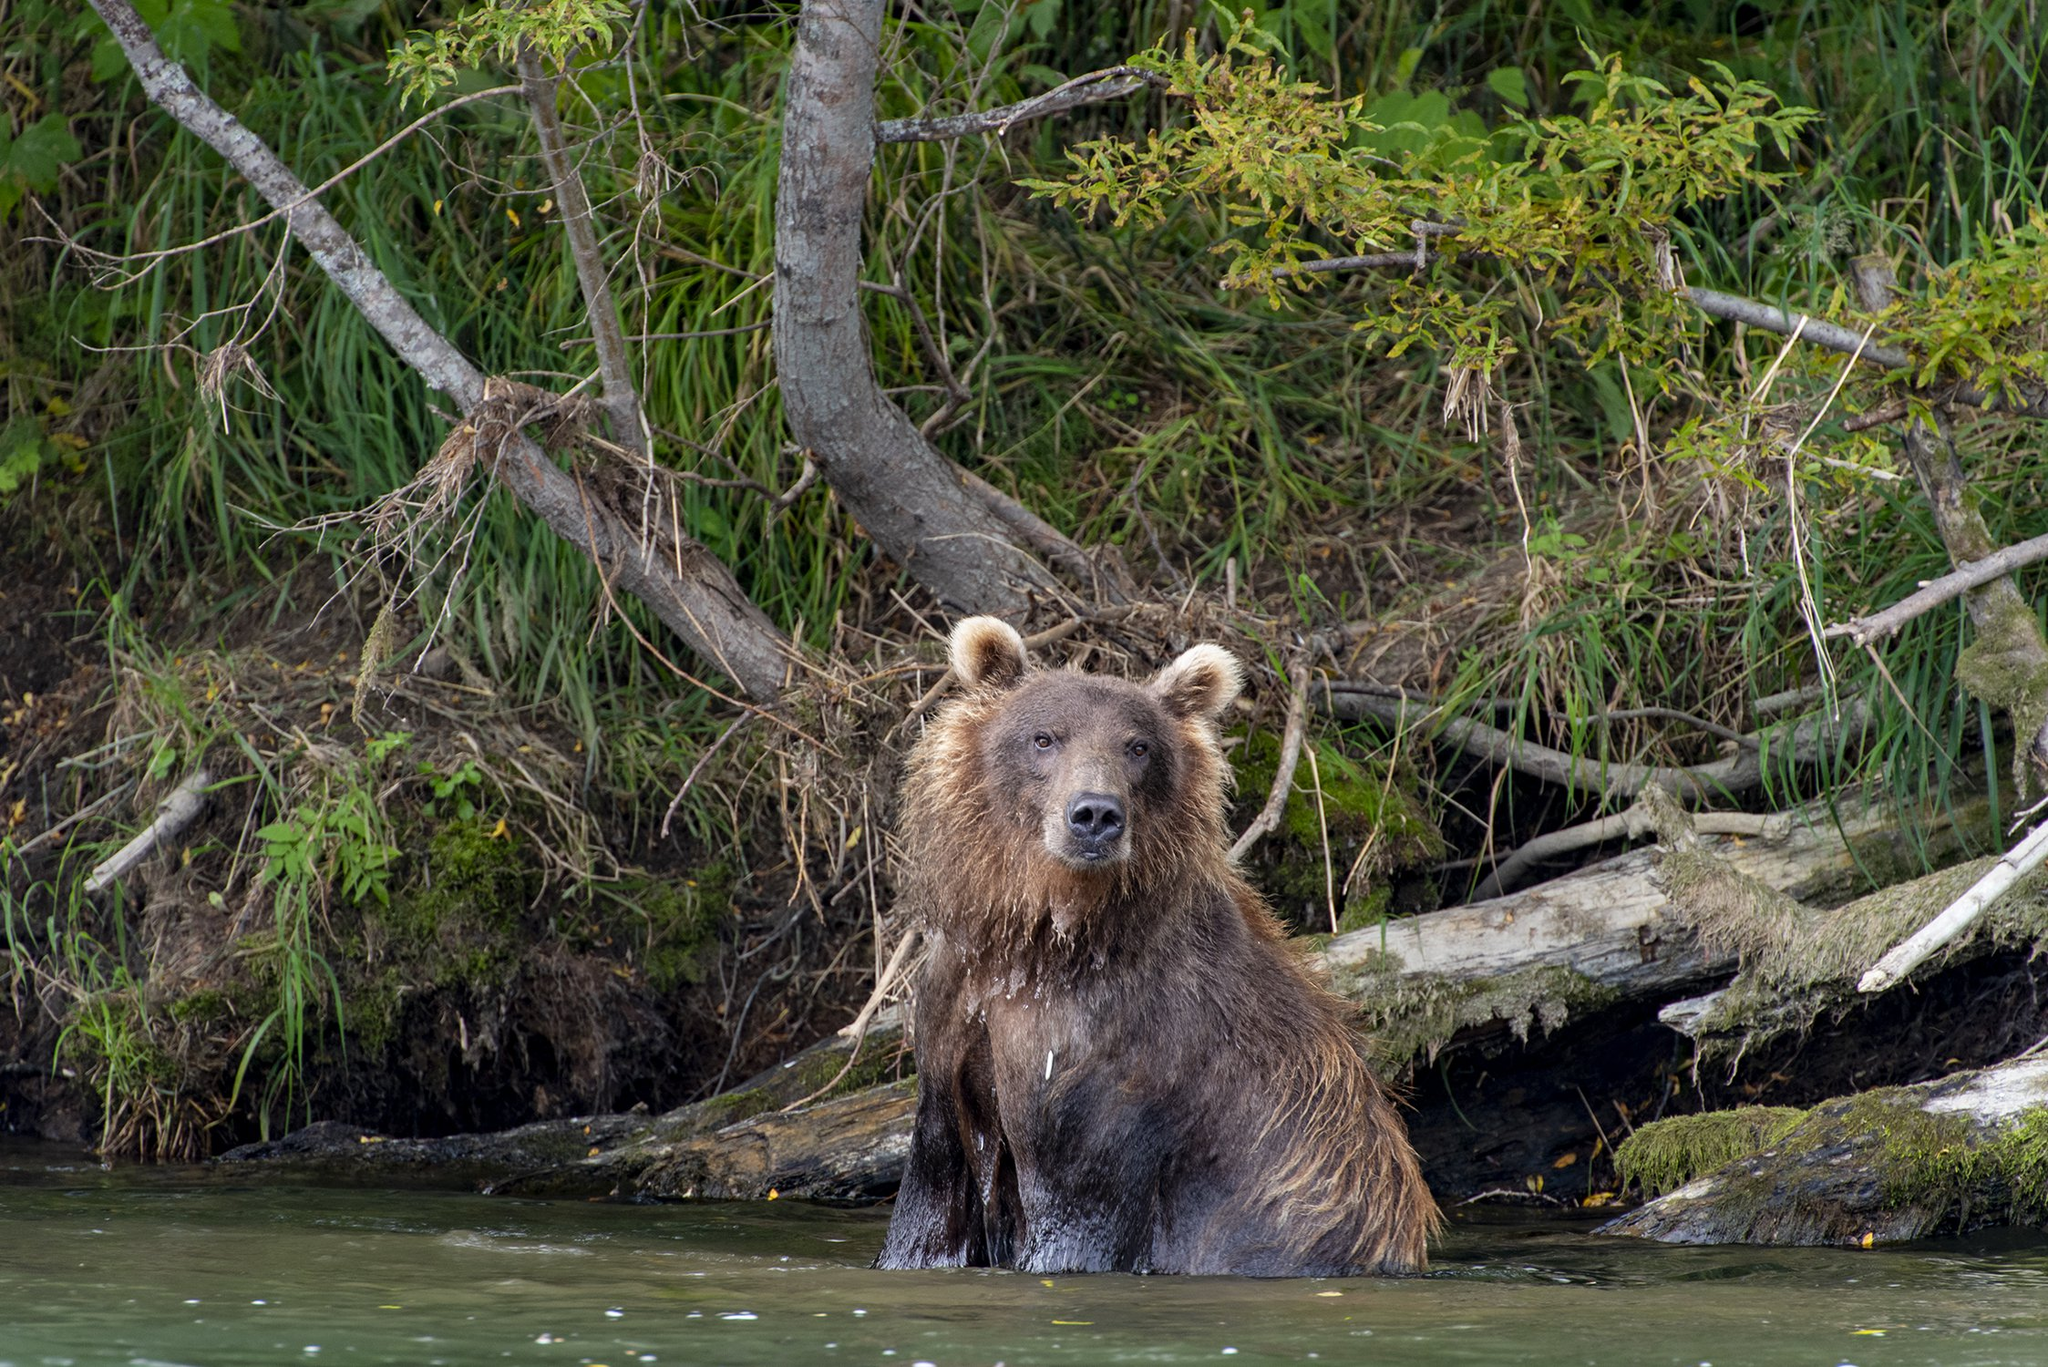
<point>1097,818</point>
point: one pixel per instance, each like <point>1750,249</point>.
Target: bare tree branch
<point>1093,88</point>
<point>1957,917</point>
<point>1283,773</point>
<point>696,596</point>
<point>1804,741</point>
<point>614,366</point>
<point>1632,824</point>
<point>1935,592</point>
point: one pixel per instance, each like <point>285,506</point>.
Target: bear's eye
<point>1139,749</point>
<point>1041,741</point>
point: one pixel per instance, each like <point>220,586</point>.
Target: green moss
<point>1666,1154</point>
<point>203,1007</point>
<point>472,885</point>
<point>666,927</point>
<point>1367,910</point>
<point>1410,1016</point>
<point>1372,811</point>
<point>1932,1160</point>
<point>1798,961</point>
<point>2005,666</point>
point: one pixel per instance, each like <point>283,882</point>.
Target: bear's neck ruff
<point>1023,910</point>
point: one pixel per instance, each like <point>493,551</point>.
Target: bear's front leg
<point>937,1221</point>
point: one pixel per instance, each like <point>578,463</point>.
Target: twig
<point>177,811</point>
<point>1096,86</point>
<point>858,1026</point>
<point>1283,776</point>
<point>1633,824</point>
<point>1934,592</point>
<point>1736,773</point>
<point>1891,410</point>
<point>690,779</point>
<point>70,822</point>
<point>1911,952</point>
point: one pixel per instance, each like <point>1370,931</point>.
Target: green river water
<point>221,1267</point>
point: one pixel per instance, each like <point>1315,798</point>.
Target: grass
<point>1116,390</point>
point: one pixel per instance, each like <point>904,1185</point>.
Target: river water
<point>222,1267</point>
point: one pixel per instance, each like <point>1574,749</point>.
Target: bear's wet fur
<point>1121,1064</point>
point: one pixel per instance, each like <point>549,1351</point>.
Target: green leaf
<point>36,156</point>
<point>1510,84</point>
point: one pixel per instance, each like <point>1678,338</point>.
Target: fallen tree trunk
<point>1482,975</point>
<point>1878,1167</point>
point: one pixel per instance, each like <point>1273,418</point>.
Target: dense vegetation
<point>442,890</point>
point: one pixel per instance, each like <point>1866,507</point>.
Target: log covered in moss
<point>1882,1166</point>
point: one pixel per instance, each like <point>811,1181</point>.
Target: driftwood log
<point>1879,1167</point>
<point>1479,976</point>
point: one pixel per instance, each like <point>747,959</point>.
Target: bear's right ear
<point>987,653</point>
<point>1201,683</point>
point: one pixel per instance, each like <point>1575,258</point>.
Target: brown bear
<point>1121,1065</point>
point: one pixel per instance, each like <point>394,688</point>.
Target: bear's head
<point>1056,790</point>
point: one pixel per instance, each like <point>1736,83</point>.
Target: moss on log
<point>1879,1167</point>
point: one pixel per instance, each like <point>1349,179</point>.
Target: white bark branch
<point>1096,86</point>
<point>1935,592</point>
<point>1923,943</point>
<point>176,812</point>
<point>1283,775</point>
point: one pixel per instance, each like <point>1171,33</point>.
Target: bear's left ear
<point>987,652</point>
<point>1201,683</point>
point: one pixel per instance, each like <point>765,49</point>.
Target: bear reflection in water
<point>1121,1065</point>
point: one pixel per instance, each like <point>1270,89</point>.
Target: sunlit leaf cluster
<point>556,29</point>
<point>1984,318</point>
<point>1580,201</point>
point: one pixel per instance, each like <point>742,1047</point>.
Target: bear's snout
<point>1096,823</point>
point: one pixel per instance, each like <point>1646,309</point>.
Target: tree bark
<point>700,601</point>
<point>894,483</point>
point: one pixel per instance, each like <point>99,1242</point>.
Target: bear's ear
<point>987,653</point>
<point>1201,683</point>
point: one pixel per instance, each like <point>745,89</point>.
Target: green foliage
<point>556,28</point>
<point>31,159</point>
<point>1983,319</point>
<point>1584,201</point>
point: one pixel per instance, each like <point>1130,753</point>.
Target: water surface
<point>222,1267</point>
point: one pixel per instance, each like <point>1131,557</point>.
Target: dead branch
<point>1934,592</point>
<point>1093,88</point>
<point>1911,952</point>
<point>1283,776</point>
<point>1801,742</point>
<point>1633,824</point>
<point>695,595</point>
<point>177,811</point>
